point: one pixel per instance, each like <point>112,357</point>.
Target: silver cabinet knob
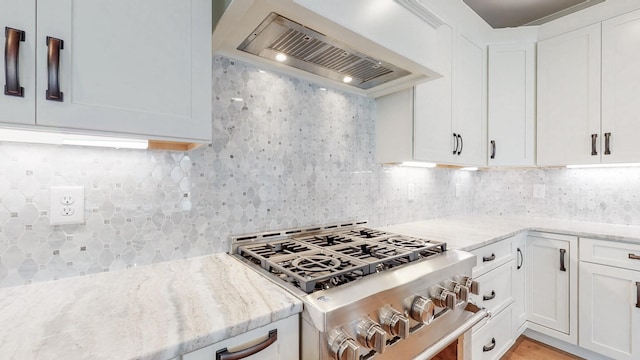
<point>394,322</point>
<point>372,336</point>
<point>422,310</point>
<point>342,347</point>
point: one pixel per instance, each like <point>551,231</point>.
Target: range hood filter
<point>311,51</point>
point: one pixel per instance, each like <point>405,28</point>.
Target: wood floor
<point>528,349</point>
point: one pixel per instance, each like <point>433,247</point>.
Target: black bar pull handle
<point>638,294</point>
<point>562,256</point>
<point>224,354</point>
<point>53,69</point>
<point>489,258</point>
<point>13,37</point>
<point>493,149</point>
<point>594,139</point>
<point>607,143</point>
<point>489,347</point>
<point>455,139</point>
<point>521,258</point>
<point>634,256</point>
<point>489,297</point>
<point>461,144</point>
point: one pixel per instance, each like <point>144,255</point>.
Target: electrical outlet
<point>411,192</point>
<point>67,205</point>
<point>538,191</point>
<point>458,190</point>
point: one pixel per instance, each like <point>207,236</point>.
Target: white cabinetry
<point>568,120</point>
<point>552,285</point>
<point>518,290</point>
<point>511,104</point>
<point>494,274</point>
<point>443,120</point>
<point>115,67</point>
<point>610,298</point>
<point>620,78</point>
<point>258,344</point>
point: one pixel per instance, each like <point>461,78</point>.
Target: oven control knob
<point>372,335</point>
<point>461,291</point>
<point>394,322</point>
<point>342,346</point>
<point>471,284</point>
<point>443,297</point>
<point>422,310</point>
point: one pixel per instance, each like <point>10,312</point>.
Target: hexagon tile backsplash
<point>288,154</point>
<point>285,153</point>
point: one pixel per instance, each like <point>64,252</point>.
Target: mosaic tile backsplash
<point>289,154</point>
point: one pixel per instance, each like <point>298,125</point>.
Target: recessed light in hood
<point>306,49</point>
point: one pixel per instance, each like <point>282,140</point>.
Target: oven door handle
<point>480,314</point>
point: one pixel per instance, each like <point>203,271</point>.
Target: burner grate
<point>378,256</point>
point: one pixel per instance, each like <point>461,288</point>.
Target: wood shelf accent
<point>172,146</point>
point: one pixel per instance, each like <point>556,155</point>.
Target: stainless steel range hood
<point>311,46</point>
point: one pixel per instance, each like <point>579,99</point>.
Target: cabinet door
<point>518,289</point>
<point>18,107</point>
<point>551,285</point>
<point>620,78</point>
<point>468,100</point>
<point>609,316</point>
<point>511,105</point>
<point>136,67</point>
<point>433,137</point>
<point>569,98</point>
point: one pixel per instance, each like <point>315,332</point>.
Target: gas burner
<point>327,240</point>
<point>406,242</point>
<point>315,263</point>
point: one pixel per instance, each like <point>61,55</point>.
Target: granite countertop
<point>472,232</point>
<point>151,312</point>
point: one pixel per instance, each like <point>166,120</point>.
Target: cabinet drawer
<point>494,338</point>
<point>495,288</point>
<point>492,256</point>
<point>284,348</point>
<point>612,253</point>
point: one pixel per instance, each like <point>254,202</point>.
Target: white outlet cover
<point>411,191</point>
<point>67,205</point>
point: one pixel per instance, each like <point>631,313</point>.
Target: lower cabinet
<point>493,339</point>
<point>276,341</point>
<point>610,300</point>
<point>552,285</point>
<point>518,286</point>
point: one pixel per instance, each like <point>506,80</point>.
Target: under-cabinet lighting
<point>237,99</point>
<point>588,166</point>
<point>474,168</point>
<point>281,57</point>
<point>41,137</point>
<point>347,79</point>
<point>418,164</point>
<point>323,89</point>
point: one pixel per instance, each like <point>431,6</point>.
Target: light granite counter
<point>151,312</point>
<point>472,232</point>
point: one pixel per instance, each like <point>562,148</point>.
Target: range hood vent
<point>309,50</point>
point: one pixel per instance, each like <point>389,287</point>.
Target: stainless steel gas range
<point>370,294</point>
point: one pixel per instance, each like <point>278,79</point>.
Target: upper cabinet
<point>620,79</point>
<point>511,104</point>
<point>140,69</point>
<point>444,119</point>
<point>569,98</point>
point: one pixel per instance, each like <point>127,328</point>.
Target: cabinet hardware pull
<point>489,347</point>
<point>54,46</point>
<point>224,354</point>
<point>13,37</point>
<point>489,258</point>
<point>455,139</point>
<point>634,256</point>
<point>493,149</point>
<point>562,253</point>
<point>461,144</point>
<point>521,258</point>
<point>489,297</point>
<point>638,294</point>
<point>594,138</point>
<point>607,143</point>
